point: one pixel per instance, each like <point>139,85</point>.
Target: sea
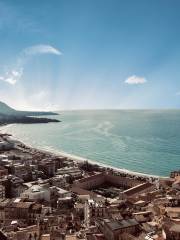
<point>145,141</point>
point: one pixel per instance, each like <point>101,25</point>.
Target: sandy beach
<point>79,159</point>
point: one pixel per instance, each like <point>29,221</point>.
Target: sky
<point>90,54</point>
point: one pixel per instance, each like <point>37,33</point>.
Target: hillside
<point>5,109</point>
<point>9,115</point>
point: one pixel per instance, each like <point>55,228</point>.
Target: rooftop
<point>115,225</point>
<point>175,228</point>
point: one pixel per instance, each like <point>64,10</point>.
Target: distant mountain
<point>5,109</point>
<point>9,115</point>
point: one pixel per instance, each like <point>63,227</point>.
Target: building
<point>176,184</point>
<point>3,204</point>
<point>93,210</point>
<point>37,192</point>
<point>22,171</point>
<point>175,174</point>
<point>17,209</point>
<point>3,172</point>
<point>74,172</point>
<point>6,145</point>
<point>2,191</point>
<point>48,167</point>
<point>126,186</point>
<point>15,186</point>
<point>171,230</point>
<point>136,190</point>
<point>173,212</point>
<point>27,233</point>
<point>58,181</point>
<point>62,193</point>
<point>113,229</point>
<point>66,202</point>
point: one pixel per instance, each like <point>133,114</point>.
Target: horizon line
<point>112,109</point>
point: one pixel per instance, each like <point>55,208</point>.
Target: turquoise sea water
<point>146,141</point>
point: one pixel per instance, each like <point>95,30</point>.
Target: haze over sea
<point>146,141</point>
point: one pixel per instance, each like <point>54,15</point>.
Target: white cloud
<point>12,76</point>
<point>10,80</point>
<point>41,49</point>
<point>15,74</point>
<point>135,80</point>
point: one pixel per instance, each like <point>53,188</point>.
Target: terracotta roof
<point>175,228</point>
<point>36,206</point>
<point>81,191</point>
<point>138,188</point>
<point>24,204</point>
<point>115,225</point>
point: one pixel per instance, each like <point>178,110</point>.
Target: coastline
<point>79,159</point>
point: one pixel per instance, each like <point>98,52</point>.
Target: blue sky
<point>90,54</point>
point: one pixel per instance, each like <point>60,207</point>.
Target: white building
<point>37,192</point>
<point>74,172</point>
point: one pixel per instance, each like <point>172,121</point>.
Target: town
<point>45,196</point>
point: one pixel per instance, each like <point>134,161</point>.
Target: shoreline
<point>79,159</point>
